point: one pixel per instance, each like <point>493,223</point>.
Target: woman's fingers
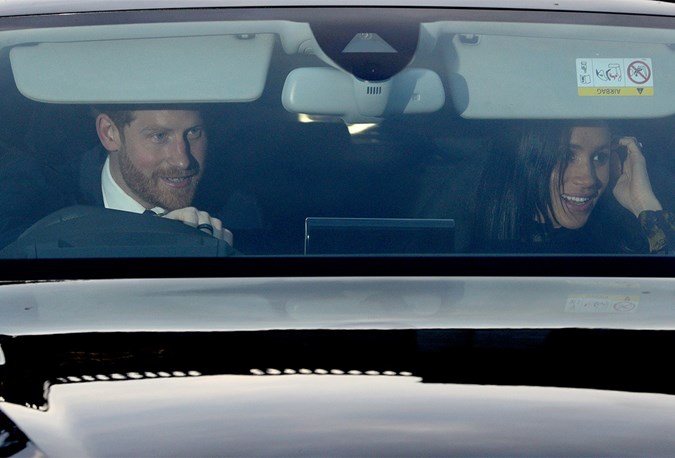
<point>633,189</point>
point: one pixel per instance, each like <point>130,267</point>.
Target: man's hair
<point>121,116</point>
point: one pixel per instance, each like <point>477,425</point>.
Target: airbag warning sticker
<point>601,303</point>
<point>621,77</point>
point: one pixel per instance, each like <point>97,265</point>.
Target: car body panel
<point>221,304</point>
<point>21,8</point>
<point>342,415</point>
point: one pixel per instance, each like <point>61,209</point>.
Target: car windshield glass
<point>336,132</point>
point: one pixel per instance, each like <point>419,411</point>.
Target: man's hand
<point>202,221</point>
<point>633,189</point>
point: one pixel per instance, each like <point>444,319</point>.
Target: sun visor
<point>328,91</point>
<point>222,68</point>
<point>496,76</point>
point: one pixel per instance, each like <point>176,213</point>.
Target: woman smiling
<point>550,194</point>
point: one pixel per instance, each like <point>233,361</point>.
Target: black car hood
<point>407,392</point>
<point>343,415</point>
<point>338,366</point>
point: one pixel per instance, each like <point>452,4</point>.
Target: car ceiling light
<point>355,129</point>
<point>305,118</point>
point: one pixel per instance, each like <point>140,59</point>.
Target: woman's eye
<point>601,158</point>
<point>571,157</point>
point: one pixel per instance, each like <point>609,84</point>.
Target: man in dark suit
<point>152,160</point>
<point>155,161</point>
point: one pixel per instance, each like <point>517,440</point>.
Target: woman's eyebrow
<point>607,145</point>
<point>576,147</point>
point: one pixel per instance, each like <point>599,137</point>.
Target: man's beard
<point>151,191</point>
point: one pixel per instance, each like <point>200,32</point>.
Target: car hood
<point>341,415</point>
<point>338,366</point>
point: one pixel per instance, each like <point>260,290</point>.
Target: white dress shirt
<point>115,198</point>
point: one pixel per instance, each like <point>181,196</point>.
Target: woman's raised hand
<point>633,189</point>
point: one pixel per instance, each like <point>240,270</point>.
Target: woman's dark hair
<point>514,191</point>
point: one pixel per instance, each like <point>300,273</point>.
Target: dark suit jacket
<point>89,178</point>
<point>32,190</point>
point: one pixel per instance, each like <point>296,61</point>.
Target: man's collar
<point>114,197</point>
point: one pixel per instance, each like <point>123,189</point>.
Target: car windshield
<point>346,131</point>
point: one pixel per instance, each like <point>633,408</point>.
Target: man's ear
<point>108,133</point>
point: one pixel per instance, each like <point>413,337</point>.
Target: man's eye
<point>159,137</point>
<point>194,133</point>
